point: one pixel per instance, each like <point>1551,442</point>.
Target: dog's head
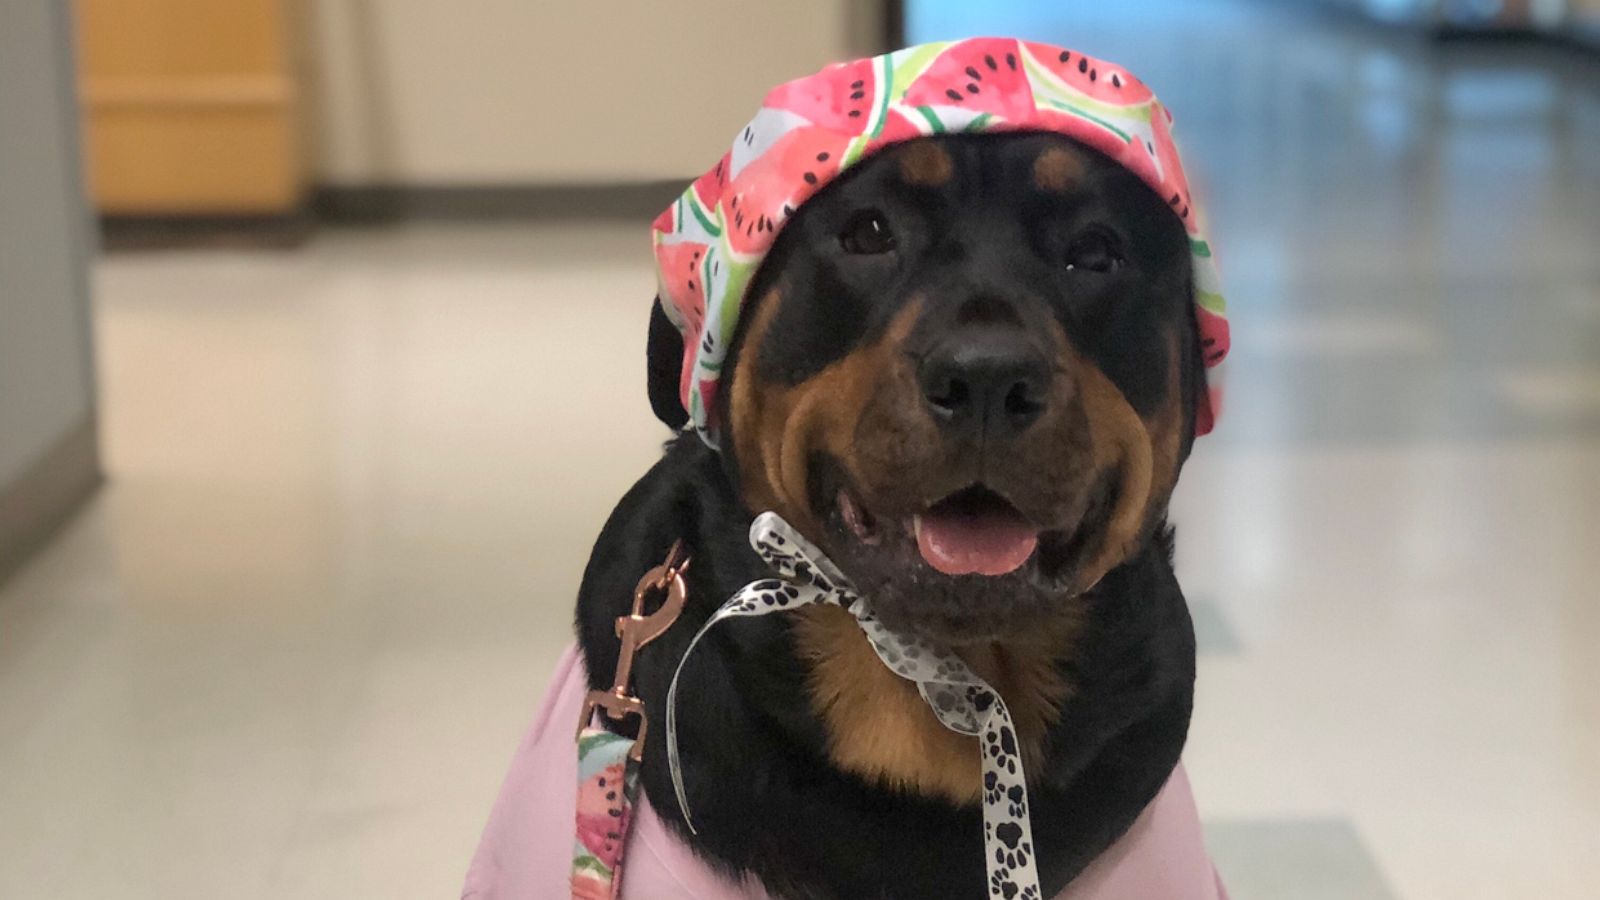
<point>968,369</point>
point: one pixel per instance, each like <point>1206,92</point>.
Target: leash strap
<point>961,700</point>
<point>608,785</point>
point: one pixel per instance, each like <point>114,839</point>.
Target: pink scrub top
<point>526,849</point>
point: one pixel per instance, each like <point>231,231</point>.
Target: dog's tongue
<point>990,541</point>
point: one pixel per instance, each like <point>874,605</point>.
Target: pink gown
<point>526,849</point>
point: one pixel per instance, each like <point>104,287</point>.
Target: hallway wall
<point>504,91</point>
<point>47,403</point>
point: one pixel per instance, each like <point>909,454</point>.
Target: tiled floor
<point>288,651</point>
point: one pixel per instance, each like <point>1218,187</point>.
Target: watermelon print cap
<point>709,243</point>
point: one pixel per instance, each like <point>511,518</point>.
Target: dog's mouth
<point>974,531</point>
<point>966,554</point>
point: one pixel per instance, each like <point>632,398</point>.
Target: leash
<point>608,763</point>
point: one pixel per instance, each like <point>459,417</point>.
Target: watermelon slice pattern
<point>710,241</point>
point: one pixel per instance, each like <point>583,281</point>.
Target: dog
<point>969,370</point>
<point>995,328</point>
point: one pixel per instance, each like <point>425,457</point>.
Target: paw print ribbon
<point>962,701</point>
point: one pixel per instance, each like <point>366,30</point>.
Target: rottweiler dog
<point>968,373</point>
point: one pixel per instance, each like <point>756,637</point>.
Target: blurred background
<point>321,363</point>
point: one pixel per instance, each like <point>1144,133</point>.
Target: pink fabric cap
<point>526,849</point>
<point>710,242</point>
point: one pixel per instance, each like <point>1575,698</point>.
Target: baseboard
<point>370,204</point>
<point>40,500</point>
<point>387,204</point>
<point>283,231</point>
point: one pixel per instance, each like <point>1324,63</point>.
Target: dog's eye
<point>867,234</point>
<point>1094,251</point>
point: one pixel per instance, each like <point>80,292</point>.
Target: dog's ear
<point>665,366</point>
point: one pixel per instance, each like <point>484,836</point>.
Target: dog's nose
<point>986,381</point>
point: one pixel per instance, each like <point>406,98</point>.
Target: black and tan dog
<point>968,374</point>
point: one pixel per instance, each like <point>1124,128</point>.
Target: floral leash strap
<point>961,700</point>
<point>608,763</point>
<point>608,785</point>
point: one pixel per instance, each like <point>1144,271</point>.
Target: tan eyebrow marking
<point>1057,169</point>
<point>925,163</point>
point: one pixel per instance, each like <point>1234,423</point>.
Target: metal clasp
<point>635,630</point>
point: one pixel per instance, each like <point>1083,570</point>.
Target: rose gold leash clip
<point>635,630</point>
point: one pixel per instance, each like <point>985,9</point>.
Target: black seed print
<point>989,61</point>
<point>1065,55</point>
<point>857,95</point>
<point>972,89</point>
<point>1116,80</point>
<point>857,84</point>
<point>1094,74</point>
<point>855,113</point>
<point>974,74</point>
<point>1011,61</point>
<point>811,178</point>
<point>823,156</point>
<point>1083,64</point>
<point>787,210</point>
<point>1174,200</point>
<point>691,285</point>
<point>953,95</point>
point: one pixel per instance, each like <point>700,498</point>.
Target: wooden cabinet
<point>192,107</point>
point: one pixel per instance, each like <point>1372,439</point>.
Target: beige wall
<point>529,91</point>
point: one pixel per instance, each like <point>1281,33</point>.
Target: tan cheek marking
<point>926,164</point>
<point>751,407</point>
<point>1120,443</point>
<point>776,429</point>
<point>1165,426</point>
<point>1057,169</point>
